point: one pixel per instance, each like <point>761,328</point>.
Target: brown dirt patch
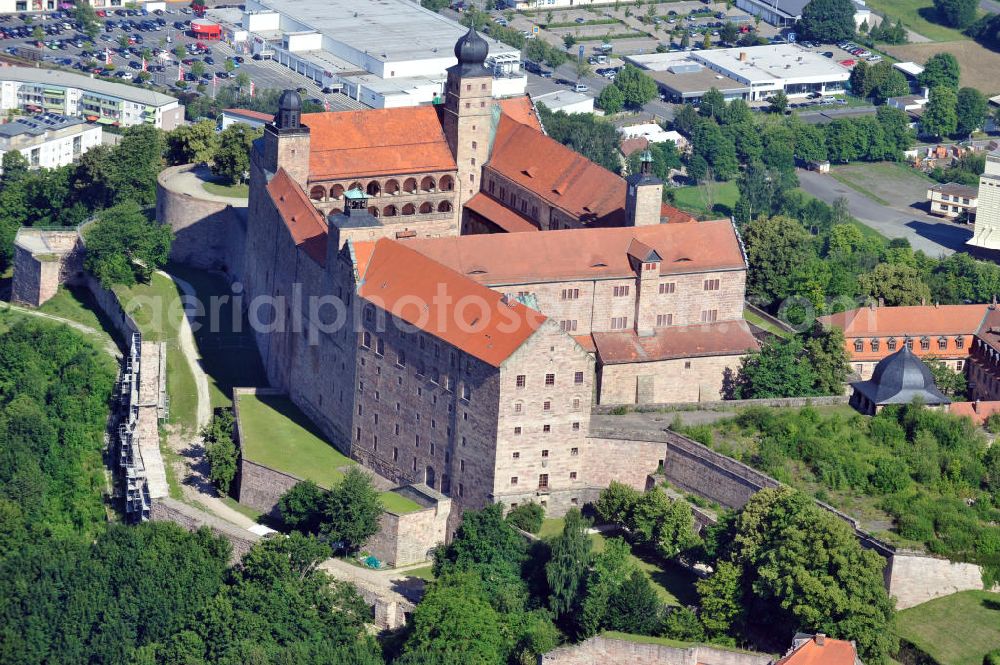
<point>980,66</point>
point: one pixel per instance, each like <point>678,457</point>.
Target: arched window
<point>409,209</point>
<point>426,207</point>
<point>410,186</point>
<point>444,206</point>
<point>337,192</point>
<point>446,184</point>
<point>336,211</point>
<point>427,184</point>
<point>317,193</point>
<point>390,211</point>
<point>356,185</point>
<point>373,211</point>
<point>392,187</point>
<point>429,476</point>
<point>373,188</point>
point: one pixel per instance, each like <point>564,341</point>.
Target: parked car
<point>581,87</point>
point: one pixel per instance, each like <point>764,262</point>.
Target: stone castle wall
<point>683,380</point>
<point>192,519</point>
<point>208,234</point>
<point>43,260</point>
<point>609,651</point>
<point>915,578</point>
<point>411,538</point>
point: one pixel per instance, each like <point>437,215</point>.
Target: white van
<point>581,87</point>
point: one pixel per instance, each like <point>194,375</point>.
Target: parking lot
<point>125,36</point>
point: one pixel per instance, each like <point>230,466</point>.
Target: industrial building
<point>48,140</point>
<point>751,73</point>
<point>383,53</point>
<point>785,13</point>
<point>36,90</point>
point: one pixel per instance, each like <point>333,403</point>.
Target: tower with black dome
<point>468,108</point>
<point>286,139</point>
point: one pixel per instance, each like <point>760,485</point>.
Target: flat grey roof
<point>698,82</point>
<point>99,86</point>
<point>774,62</point>
<point>386,29</point>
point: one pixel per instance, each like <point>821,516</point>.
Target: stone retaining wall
<point>723,405</point>
<point>611,651</point>
<point>192,519</point>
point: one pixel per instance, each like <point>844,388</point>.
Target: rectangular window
<point>570,294</point>
<point>711,285</point>
<point>546,405</point>
<point>517,407</point>
<point>859,345</point>
<point>620,291</point>
<point>546,428</point>
<point>572,475</point>
<point>567,326</point>
<point>959,342</point>
<point>550,379</point>
<point>576,403</point>
<point>668,287</point>
<point>619,322</point>
<point>461,489</point>
<point>574,452</point>
<point>664,320</point>
<point>400,359</point>
<point>379,346</point>
<point>515,455</point>
<point>520,380</point>
<point>709,315</point>
<point>466,393</point>
<point>513,480</point>
<point>543,481</point>
<point>517,431</point>
<point>576,427</point>
<point>395,454</point>
<point>545,453</point>
<point>578,378</point>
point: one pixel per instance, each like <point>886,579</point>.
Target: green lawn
<point>278,435</point>
<point>673,584</point>
<point>232,191</point>
<point>77,304</point>
<point>955,630</point>
<point>712,200</point>
<point>760,322</point>
<point>918,15</point>
<point>425,573</point>
<point>224,338</point>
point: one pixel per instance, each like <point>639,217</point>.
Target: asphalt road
<point>936,237</point>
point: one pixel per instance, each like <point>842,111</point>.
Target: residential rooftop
<point>37,125</point>
<point>91,84</point>
<point>698,81</point>
<point>914,320</point>
<point>956,189</point>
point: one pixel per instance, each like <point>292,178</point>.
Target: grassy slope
<point>278,435</point>
<point>917,15</point>
<point>955,630</point>
<point>693,199</point>
<point>225,342</point>
<point>77,304</point>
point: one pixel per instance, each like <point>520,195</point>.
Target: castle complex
<point>474,336</point>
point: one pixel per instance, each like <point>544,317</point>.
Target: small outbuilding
<point>898,379</point>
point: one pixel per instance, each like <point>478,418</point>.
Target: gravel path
<point>391,582</point>
<point>193,470</point>
<point>110,347</point>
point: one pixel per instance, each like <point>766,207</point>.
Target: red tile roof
<point>725,338</point>
<point>830,652</point>
<point>628,146</point>
<point>978,411</point>
<point>911,320</point>
<point>499,214</point>
<point>557,174</point>
<point>251,115</point>
<point>522,110</point>
<point>672,215</point>
<point>349,144</point>
<point>305,224</point>
<point>504,258</point>
<point>442,302</point>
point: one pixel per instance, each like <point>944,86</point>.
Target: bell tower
<point>468,108</point>
<point>286,139</point>
<point>644,196</point>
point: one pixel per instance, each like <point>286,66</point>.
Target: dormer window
<point>891,344</point>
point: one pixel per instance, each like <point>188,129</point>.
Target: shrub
<point>527,517</point>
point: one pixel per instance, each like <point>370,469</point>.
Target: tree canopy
<point>124,246</point>
<point>941,69</point>
<point>828,21</point>
<point>956,13</point>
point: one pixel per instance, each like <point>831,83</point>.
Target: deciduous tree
<point>970,111</point>
<point>124,246</point>
<point>828,21</point>
<point>940,117</point>
<point>940,69</point>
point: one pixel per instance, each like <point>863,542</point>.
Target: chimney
<point>820,639</point>
<point>743,56</point>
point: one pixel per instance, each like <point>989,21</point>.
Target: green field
<point>712,200</point>
<point>917,15</point>
<point>673,584</point>
<point>232,191</point>
<point>425,573</point>
<point>77,304</point>
<point>224,338</point>
<point>955,630</point>
<point>274,432</point>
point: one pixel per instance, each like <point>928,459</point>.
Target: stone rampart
<point>723,405</point>
<point>123,322</point>
<point>43,260</point>
<point>608,650</point>
<point>192,519</point>
<point>409,538</point>
<point>209,232</point>
<point>914,578</point>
